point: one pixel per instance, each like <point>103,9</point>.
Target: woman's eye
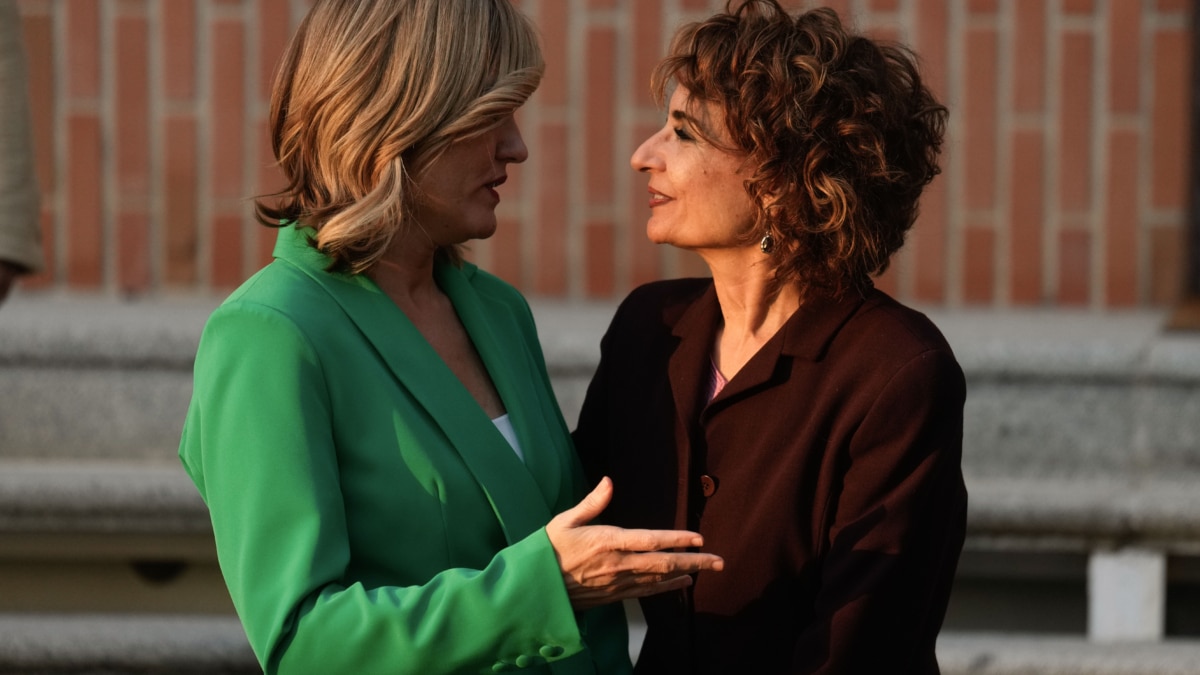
<point>682,135</point>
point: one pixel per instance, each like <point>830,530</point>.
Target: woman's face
<point>456,195</point>
<point>697,197</point>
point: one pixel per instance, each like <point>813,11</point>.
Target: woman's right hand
<point>603,564</point>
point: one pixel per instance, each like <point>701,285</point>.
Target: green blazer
<point>369,517</point>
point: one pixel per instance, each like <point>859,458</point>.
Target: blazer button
<point>708,485</point>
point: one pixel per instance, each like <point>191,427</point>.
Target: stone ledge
<point>1015,654</point>
<point>100,497</point>
<point>153,644</point>
<point>104,330</point>
<point>1160,512</point>
<point>116,644</point>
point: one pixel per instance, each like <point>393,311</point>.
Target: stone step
<point>117,644</point>
<point>158,498</point>
<point>1015,654</point>
<point>153,644</point>
<point>1066,394</point>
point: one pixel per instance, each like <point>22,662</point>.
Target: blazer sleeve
<point>258,443</point>
<point>898,525</point>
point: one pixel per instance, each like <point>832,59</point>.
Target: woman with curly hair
<point>805,423</point>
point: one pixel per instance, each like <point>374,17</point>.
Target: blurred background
<point>1059,251</point>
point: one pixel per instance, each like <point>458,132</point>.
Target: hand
<point>603,564</point>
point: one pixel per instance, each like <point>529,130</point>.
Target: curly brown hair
<point>843,134</point>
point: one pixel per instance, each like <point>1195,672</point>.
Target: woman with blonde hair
<point>372,425</point>
<point>802,421</point>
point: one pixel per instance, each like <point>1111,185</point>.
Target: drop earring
<point>767,244</point>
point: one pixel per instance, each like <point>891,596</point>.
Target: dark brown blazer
<point>827,473</point>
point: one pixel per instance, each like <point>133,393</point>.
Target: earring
<point>767,244</point>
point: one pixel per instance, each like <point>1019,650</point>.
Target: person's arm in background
<point>20,236</point>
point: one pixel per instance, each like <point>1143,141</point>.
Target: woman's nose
<point>510,146</point>
<point>646,157</point>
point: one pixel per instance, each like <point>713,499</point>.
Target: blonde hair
<point>369,93</point>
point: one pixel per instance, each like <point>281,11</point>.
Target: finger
<point>671,564</point>
<point>591,506</point>
<point>644,589</point>
<point>656,540</point>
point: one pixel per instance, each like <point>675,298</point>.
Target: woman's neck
<point>754,305</point>
<point>405,272</point>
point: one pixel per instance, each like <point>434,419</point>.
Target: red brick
<point>84,242</point>
<point>1167,246</point>
<point>1174,6</point>
<point>928,244</point>
<point>554,24</point>
<point>1124,55</point>
<point>1074,266</point>
<point>601,4</point>
<point>506,251</point>
<point>133,265</point>
<point>647,48</point>
<point>842,7</point>
<point>270,181</point>
<point>1075,123</point>
<point>1079,6</point>
<point>38,39</point>
<point>1169,132</point>
<point>228,108</point>
<point>133,108</point>
<point>599,115</point>
<point>692,5</point>
<point>180,234</point>
<point>884,5</point>
<point>983,6</point>
<point>1027,210</point>
<point>178,49</point>
<point>1121,220</point>
<point>270,177</point>
<point>274,31</point>
<point>979,265</point>
<point>1029,54</point>
<point>980,119</point>
<point>550,273</point>
<point>885,32</point>
<point>600,244</point>
<point>932,37</point>
<point>83,48</point>
<point>228,244</point>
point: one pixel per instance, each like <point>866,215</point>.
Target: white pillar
<point>1126,595</point>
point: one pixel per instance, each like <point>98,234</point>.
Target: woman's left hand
<point>602,564</point>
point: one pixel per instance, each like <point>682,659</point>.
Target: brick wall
<point>1065,179</point>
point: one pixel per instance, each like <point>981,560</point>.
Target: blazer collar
<point>805,335</point>
<point>519,494</point>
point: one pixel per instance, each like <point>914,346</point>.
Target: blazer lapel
<point>502,345</point>
<point>689,368</point>
<point>510,488</point>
